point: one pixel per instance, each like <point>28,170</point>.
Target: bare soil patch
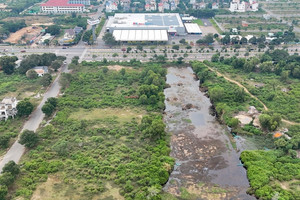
<point>117,67</point>
<point>28,33</point>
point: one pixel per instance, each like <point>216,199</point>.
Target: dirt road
<point>247,91</point>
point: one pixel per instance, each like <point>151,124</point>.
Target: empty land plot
<point>24,34</point>
<point>121,115</point>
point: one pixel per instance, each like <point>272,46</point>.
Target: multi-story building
<point>242,6</point>
<point>84,2</point>
<point>61,6</point>
<point>8,108</point>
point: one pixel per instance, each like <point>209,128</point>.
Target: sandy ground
<point>208,29</point>
<point>29,33</point>
<point>116,67</point>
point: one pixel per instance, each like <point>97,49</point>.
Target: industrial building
<point>145,26</point>
<point>193,28</point>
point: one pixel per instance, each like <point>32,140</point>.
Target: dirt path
<point>247,91</point>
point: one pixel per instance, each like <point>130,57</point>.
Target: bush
<point>29,139</point>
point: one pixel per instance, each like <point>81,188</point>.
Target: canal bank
<point>207,166</point>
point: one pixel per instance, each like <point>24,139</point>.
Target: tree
<point>12,168</point>
<point>3,191</point>
<point>8,64</point>
<point>216,93</point>
<point>109,39</point>
<point>31,74</point>
<point>48,109</point>
<point>143,99</point>
<point>266,66</point>
<point>53,30</point>
<point>128,49</point>
<point>182,41</point>
<point>46,80</point>
<point>56,64</point>
<point>175,47</point>
<point>244,40</point>
<point>47,42</point>
<point>253,40</point>
<point>180,60</point>
<point>215,58</point>
<point>24,108</point>
<point>234,122</point>
<point>105,69</point>
<point>29,139</point>
<point>65,80</point>
<point>226,39</point>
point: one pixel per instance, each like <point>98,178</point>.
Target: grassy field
<point>216,26</point>
<point>97,146</point>
<point>121,115</point>
<point>199,22</point>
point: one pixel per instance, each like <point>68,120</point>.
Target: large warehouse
<point>145,26</point>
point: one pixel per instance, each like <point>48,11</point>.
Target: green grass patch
<point>199,22</point>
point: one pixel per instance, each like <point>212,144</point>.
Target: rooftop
<point>145,20</point>
<point>60,3</point>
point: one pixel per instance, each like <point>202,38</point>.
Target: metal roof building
<point>192,28</point>
<point>140,35</point>
<point>145,26</point>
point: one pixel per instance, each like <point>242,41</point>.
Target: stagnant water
<point>206,164</point>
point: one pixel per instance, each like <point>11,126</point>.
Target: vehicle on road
<point>22,51</point>
<point>64,47</point>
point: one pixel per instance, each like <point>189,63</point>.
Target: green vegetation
<point>268,170</point>
<point>199,22</point>
<point>227,97</point>
<point>25,108</point>
<point>216,26</point>
<point>71,21</point>
<point>273,78</point>
<point>89,154</point>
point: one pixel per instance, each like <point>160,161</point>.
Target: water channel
<point>206,164</point>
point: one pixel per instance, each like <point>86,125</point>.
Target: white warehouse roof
<point>140,35</point>
<point>192,28</point>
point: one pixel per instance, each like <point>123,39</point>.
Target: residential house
<point>160,7</point>
<point>111,6</point>
<point>215,5</point>
<point>166,6</point>
<point>77,29</point>
<point>147,7</point>
<point>242,6</point>
<point>8,108</point>
<point>41,70</point>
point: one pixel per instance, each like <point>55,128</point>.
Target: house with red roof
<point>61,7</point>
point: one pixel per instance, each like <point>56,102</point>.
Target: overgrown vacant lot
<point>280,96</point>
<point>109,153</point>
<point>19,86</point>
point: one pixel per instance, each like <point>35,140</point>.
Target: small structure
<point>8,108</point>
<point>215,6</point>
<point>277,135</point>
<point>242,6</point>
<point>47,36</point>
<point>193,28</point>
<point>41,70</point>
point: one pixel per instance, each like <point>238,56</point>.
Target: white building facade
<point>61,7</point>
<point>8,108</point>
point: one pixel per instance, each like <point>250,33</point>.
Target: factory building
<point>145,26</point>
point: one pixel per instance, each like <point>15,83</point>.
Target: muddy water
<point>206,164</point>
